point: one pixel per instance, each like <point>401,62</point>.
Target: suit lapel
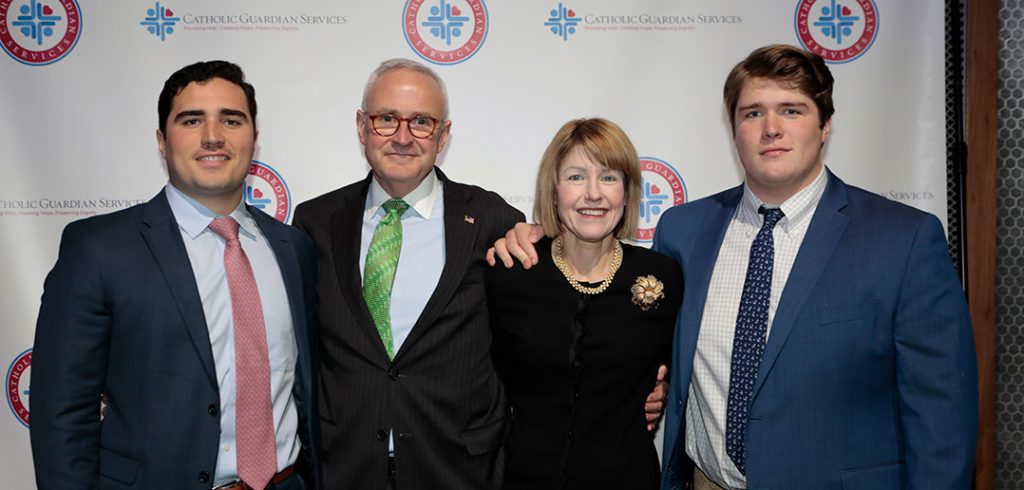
<point>164,240</point>
<point>702,265</point>
<point>288,264</point>
<point>346,230</point>
<point>823,234</point>
<point>459,241</point>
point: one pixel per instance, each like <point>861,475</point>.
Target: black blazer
<point>121,315</point>
<point>577,369</point>
<point>440,395</point>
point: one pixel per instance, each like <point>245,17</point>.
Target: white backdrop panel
<point>78,134</point>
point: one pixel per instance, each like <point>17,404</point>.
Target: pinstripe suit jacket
<point>440,395</point>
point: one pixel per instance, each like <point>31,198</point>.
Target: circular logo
<point>17,386</point>
<point>662,188</point>
<point>39,32</point>
<point>445,32</point>
<point>265,189</point>
<point>838,32</point>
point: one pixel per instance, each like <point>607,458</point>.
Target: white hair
<point>405,64</point>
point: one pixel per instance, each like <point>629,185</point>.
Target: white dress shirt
<point>708,394</point>
<point>421,259</point>
<point>206,254</point>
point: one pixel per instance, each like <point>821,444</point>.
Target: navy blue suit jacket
<point>121,315</point>
<point>869,376</point>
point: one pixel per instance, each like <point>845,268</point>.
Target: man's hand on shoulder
<point>518,245</point>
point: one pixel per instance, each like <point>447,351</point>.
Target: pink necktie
<point>254,426</point>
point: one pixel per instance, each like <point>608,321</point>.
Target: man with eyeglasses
<point>410,397</point>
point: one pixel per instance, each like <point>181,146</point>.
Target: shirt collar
<point>797,209</point>
<point>421,199</point>
<point>193,217</point>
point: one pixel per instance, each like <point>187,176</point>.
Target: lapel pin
<point>469,219</point>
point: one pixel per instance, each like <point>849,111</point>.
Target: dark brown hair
<point>789,66</point>
<point>199,73</point>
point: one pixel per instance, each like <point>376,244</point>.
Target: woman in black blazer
<point>578,338</point>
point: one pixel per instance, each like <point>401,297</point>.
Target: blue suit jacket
<point>869,376</point>
<point>121,315</point>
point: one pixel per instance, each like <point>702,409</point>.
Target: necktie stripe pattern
<point>379,272</point>
<point>254,416</point>
<point>750,336</point>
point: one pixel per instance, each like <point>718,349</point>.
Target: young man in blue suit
<point>201,342</point>
<point>824,340</point>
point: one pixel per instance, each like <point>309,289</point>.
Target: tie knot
<point>226,227</point>
<point>395,206</point>
<point>771,216</point>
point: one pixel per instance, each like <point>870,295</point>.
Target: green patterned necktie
<point>379,273</point>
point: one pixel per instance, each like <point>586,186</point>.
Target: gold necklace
<point>556,249</point>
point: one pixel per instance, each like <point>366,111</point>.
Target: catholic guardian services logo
<point>39,32</point>
<point>662,188</point>
<point>17,386</point>
<point>265,189</point>
<point>838,31</point>
<point>445,32</point>
<point>160,21</point>
<point>562,21</point>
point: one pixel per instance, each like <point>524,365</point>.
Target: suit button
<point>382,435</point>
<point>204,477</point>
<point>393,374</point>
<point>213,410</point>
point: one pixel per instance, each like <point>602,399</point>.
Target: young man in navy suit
<point>824,340</point>
<point>152,308</point>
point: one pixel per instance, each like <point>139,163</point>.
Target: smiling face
<point>779,139</point>
<point>401,161</point>
<point>590,198</point>
<point>209,143</point>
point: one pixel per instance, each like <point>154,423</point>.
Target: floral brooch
<point>647,292</point>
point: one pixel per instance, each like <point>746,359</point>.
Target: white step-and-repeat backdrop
<point>79,81</point>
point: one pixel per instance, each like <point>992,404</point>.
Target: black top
<point>577,369</point>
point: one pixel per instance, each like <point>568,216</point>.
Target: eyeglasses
<point>387,124</point>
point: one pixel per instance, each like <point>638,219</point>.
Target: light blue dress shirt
<point>206,254</point>
<point>422,257</point>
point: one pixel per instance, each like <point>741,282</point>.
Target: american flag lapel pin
<point>469,219</point>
